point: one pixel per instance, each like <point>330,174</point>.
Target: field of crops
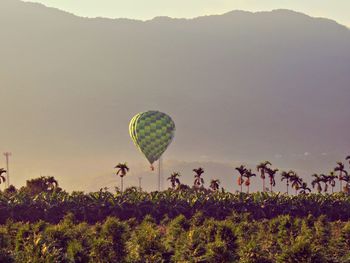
<point>132,203</point>
<point>40,222</point>
<point>238,238</point>
<point>43,223</point>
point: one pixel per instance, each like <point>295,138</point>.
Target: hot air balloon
<point>152,132</point>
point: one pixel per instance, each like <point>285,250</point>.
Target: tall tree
<point>214,184</point>
<point>272,174</point>
<point>316,182</point>
<point>262,168</point>
<point>123,169</point>
<point>341,170</point>
<point>347,180</point>
<point>325,181</point>
<point>242,170</point>
<point>331,180</point>
<point>174,179</point>
<point>296,182</point>
<point>348,158</point>
<point>198,180</point>
<point>2,178</point>
<point>286,176</point>
<point>248,174</point>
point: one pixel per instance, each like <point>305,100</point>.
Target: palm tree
<point>198,180</point>
<point>317,182</point>
<point>341,169</point>
<point>242,170</point>
<point>272,174</point>
<point>324,179</point>
<point>286,176</point>
<point>262,167</point>
<point>348,158</point>
<point>331,179</point>
<point>248,174</point>
<point>214,184</point>
<point>304,188</point>
<point>296,182</point>
<point>2,178</point>
<point>174,179</point>
<point>346,178</point>
<point>122,171</point>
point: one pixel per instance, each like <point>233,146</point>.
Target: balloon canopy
<point>152,132</point>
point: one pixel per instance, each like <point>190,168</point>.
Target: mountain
<point>241,87</point>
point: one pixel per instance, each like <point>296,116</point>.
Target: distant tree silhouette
<point>262,168</point>
<point>325,181</point>
<point>272,174</point>
<point>122,170</point>
<point>242,170</point>
<point>198,180</point>
<point>341,169</point>
<point>296,182</point>
<point>2,178</point>
<point>11,190</point>
<point>248,174</point>
<point>331,180</point>
<point>346,179</point>
<point>348,158</point>
<point>41,184</point>
<point>174,179</point>
<point>286,176</point>
<point>316,182</point>
<point>304,189</point>
<point>214,184</point>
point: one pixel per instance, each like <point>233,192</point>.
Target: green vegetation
<point>238,238</point>
<point>52,204</point>
<point>122,171</point>
<point>41,222</point>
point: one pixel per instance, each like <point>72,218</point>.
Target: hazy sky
<point>240,90</point>
<point>338,10</point>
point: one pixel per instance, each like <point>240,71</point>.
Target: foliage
<point>52,206</point>
<point>198,239</point>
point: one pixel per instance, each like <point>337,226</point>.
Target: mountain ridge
<point>285,11</point>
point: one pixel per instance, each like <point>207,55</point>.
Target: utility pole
<point>140,179</point>
<point>159,174</point>
<point>7,155</point>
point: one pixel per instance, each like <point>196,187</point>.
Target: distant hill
<point>240,86</point>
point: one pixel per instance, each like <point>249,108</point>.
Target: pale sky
<point>338,10</point>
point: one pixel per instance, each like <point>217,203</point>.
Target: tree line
<point>320,182</point>
<point>43,199</point>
